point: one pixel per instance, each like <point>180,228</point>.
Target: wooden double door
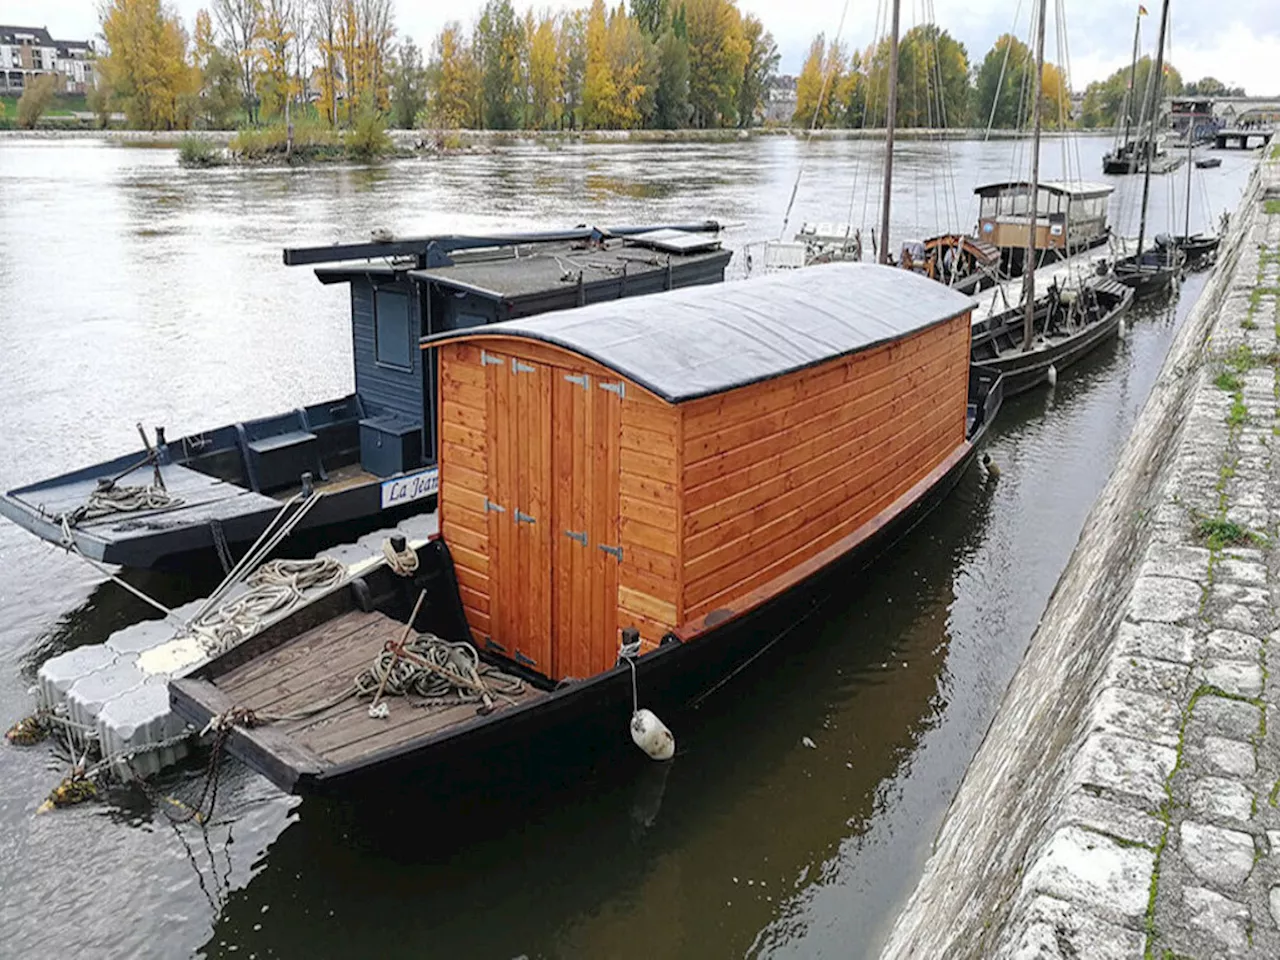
<point>553,515</point>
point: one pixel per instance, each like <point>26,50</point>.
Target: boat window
<point>393,339</point>
<point>990,207</point>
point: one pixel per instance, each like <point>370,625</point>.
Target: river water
<point>131,289</point>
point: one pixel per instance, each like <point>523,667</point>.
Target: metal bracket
<point>524,517</point>
<point>582,380</point>
<point>518,367</point>
<point>616,552</point>
<point>527,661</point>
<point>490,506</point>
<point>489,358</point>
<point>580,537</point>
<point>620,388</point>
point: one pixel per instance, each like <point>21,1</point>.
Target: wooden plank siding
<point>609,466</point>
<point>775,472</point>
<point>464,474</point>
<point>708,500</point>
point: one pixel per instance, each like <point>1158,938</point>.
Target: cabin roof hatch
<point>699,341</point>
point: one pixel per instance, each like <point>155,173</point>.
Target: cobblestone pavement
<point>1166,841</point>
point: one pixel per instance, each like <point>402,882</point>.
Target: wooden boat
<point>1070,216</point>
<point>1155,272</point>
<point>1068,325</point>
<point>369,454</point>
<point>1198,248</point>
<point>670,474</point>
<point>1131,158</point>
<point>964,263</point>
<point>1208,163</point>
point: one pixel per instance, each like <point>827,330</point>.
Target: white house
<point>28,52</point>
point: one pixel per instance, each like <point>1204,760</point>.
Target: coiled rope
<point>402,562</point>
<point>439,673</point>
<point>275,587</point>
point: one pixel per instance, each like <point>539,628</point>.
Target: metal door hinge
<point>616,552</point>
<point>518,367</point>
<point>524,517</point>
<point>580,537</point>
<point>491,507</point>
<point>581,380</point>
<point>620,388</point>
<point>489,358</point>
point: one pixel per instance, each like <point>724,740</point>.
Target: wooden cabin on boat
<point>1070,216</point>
<point>669,464</point>
<point>684,465</point>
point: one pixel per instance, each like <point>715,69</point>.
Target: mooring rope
<point>403,562</point>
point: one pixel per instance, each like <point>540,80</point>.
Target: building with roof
<point>29,52</point>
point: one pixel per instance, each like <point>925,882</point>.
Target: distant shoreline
<point>407,139</point>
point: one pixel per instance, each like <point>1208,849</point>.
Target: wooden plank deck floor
<point>321,663</point>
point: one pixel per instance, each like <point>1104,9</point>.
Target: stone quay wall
<point>1124,803</point>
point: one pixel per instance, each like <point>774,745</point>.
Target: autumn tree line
<point>653,64</point>
<point>938,87</point>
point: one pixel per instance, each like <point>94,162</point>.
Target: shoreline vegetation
<point>659,68</point>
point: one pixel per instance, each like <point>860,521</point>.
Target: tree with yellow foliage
<point>146,67</point>
<point>634,70</point>
<point>1055,97</point>
<point>453,81</point>
<point>546,75</point>
<point>718,54</point>
<point>599,89</point>
<point>203,43</point>
<point>274,48</point>
<point>819,84</point>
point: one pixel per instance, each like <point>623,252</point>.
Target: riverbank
<point>1124,800</point>
<point>410,138</point>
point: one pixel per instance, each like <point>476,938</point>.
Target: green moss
<point>1228,381</point>
<point>1239,413</point>
<point>1271,207</point>
<point>1218,533</point>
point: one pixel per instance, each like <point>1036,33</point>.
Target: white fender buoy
<point>1052,375</point>
<point>1120,329</point>
<point>652,736</point>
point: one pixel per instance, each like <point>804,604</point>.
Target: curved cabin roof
<point>705,340</point>
<point>1070,188</point>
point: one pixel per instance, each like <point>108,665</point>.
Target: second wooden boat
<point>1068,325</point>
<point>631,495</point>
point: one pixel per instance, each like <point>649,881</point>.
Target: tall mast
<point>1133,75</point>
<point>891,121</point>
<point>1156,89</point>
<point>1033,206</point>
<point>1191,134</point>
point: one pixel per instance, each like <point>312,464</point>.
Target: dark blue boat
<point>370,454</point>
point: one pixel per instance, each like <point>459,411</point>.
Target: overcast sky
<point>1237,42</point>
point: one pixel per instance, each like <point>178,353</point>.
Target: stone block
<point>1231,757</point>
<point>1123,765</point>
<point>1188,563</point>
<point>1053,929</point>
<point>1231,645</point>
<point>1226,717</point>
<point>1100,815</point>
<point>1164,599</point>
<point>1160,641</point>
<point>1239,571</point>
<point>1221,798</point>
<point>1237,677</point>
<point>1093,871</point>
<point>1223,921</point>
<point>1131,713</point>
<point>1215,854</point>
<point>1146,674</point>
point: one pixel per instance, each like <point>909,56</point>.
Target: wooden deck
<point>317,665</point>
